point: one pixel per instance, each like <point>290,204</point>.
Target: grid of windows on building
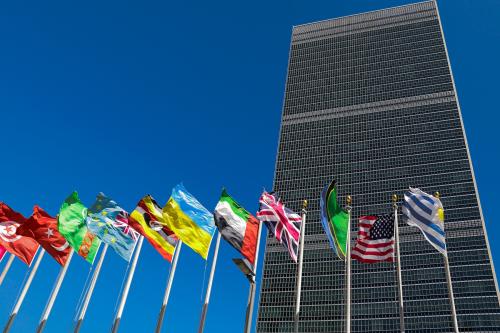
<point>370,102</point>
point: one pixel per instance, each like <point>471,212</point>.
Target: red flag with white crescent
<point>23,247</point>
<point>42,227</point>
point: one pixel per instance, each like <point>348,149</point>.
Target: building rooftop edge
<point>351,15</point>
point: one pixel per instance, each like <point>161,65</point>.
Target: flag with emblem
<point>109,222</point>
<point>147,219</point>
<point>43,228</point>
<point>426,213</point>
<point>22,247</point>
<point>375,241</point>
<point>71,224</point>
<point>283,223</point>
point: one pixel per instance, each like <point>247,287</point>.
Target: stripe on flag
<point>426,213</point>
<point>375,241</point>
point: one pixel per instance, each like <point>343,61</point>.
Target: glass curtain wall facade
<point>370,102</point>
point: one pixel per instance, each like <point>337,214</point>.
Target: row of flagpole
<point>125,290</point>
<point>348,274</point>
<point>252,289</point>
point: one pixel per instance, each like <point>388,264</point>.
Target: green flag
<point>334,220</point>
<point>71,224</point>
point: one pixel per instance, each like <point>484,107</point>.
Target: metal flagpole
<point>126,287</point>
<point>251,292</point>
<point>398,264</point>
<point>209,287</point>
<point>450,286</point>
<point>348,267</point>
<point>54,293</point>
<point>169,286</point>
<point>88,295</point>
<point>26,286</point>
<point>299,270</point>
<point>6,268</point>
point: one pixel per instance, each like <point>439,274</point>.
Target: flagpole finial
<point>437,195</point>
<point>304,204</point>
<point>348,200</point>
<point>394,198</point>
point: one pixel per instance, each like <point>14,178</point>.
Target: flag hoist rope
<point>54,293</point>
<point>126,287</point>
<point>6,268</point>
<point>169,287</point>
<point>398,264</point>
<point>209,286</point>
<point>25,289</point>
<point>299,268</point>
<point>253,287</point>
<point>89,292</point>
<point>450,286</point>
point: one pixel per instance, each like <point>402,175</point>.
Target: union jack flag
<point>121,223</point>
<point>282,222</point>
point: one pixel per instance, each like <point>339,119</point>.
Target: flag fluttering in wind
<point>426,213</point>
<point>109,222</point>
<point>283,223</point>
<point>147,219</point>
<point>23,247</point>
<point>43,228</point>
<point>237,226</point>
<point>375,241</point>
<point>189,220</point>
<point>71,224</point>
<point>334,220</point>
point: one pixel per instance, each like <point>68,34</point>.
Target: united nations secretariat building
<point>370,101</point>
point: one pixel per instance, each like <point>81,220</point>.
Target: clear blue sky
<point>131,98</point>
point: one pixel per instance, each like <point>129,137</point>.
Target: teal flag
<point>109,222</point>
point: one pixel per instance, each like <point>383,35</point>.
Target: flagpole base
<point>78,325</point>
<point>9,323</point>
<point>115,325</point>
<point>41,327</point>
<point>160,319</point>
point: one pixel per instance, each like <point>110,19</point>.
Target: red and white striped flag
<point>375,241</point>
<point>281,222</point>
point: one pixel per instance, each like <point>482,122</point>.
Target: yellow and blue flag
<point>189,220</point>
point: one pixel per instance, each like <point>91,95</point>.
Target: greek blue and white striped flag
<point>426,213</point>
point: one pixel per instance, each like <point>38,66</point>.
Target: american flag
<point>281,222</point>
<point>375,241</point>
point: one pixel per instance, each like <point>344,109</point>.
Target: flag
<point>282,222</point>
<point>2,252</point>
<point>42,227</point>
<point>189,220</point>
<point>375,241</point>
<point>23,247</point>
<point>71,224</point>
<point>334,220</point>
<point>237,226</point>
<point>109,222</point>
<point>147,219</point>
<point>426,213</point>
